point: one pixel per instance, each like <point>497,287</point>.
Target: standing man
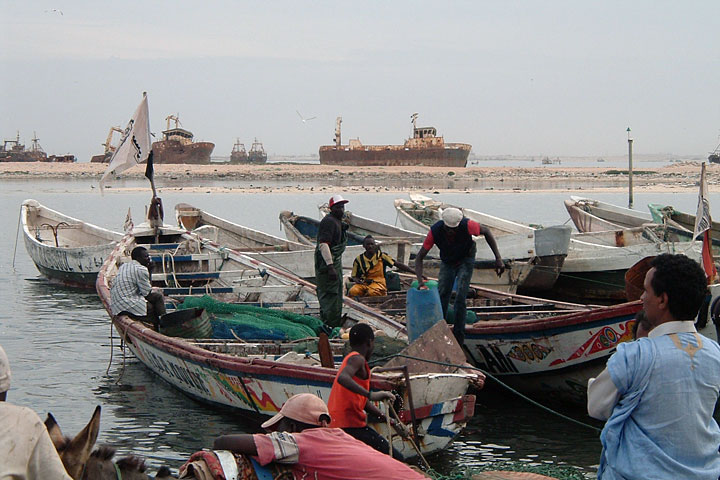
<point>331,242</point>
<point>26,450</point>
<point>658,393</point>
<point>132,294</point>
<point>453,236</point>
<point>368,272</point>
<point>350,397</point>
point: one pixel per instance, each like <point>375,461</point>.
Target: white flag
<point>134,145</point>
<point>702,216</point>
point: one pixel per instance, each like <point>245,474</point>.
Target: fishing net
<point>559,472</point>
<point>254,323</point>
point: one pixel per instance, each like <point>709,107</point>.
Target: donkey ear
<point>54,430</point>
<point>78,450</point>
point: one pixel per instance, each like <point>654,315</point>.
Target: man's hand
<point>332,273</point>
<point>380,396</point>
<point>368,281</point>
<point>421,285</point>
<point>499,266</point>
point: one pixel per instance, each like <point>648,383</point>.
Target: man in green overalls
<point>331,242</point>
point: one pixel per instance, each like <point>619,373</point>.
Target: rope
<point>16,238</point>
<point>492,377</point>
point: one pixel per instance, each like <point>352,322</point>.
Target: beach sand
<point>302,177</point>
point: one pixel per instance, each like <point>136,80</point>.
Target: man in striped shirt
<point>131,293</point>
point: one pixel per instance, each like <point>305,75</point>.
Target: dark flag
<point>149,171</point>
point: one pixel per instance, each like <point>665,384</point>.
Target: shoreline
<point>295,177</point>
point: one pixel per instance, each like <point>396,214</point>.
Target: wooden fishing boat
<point>259,377</point>
<point>667,215</point>
<point>304,230</point>
<point>544,248</point>
<point>595,216</point>
<point>64,249</point>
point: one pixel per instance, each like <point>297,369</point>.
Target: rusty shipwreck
<point>177,146</point>
<point>424,148</point>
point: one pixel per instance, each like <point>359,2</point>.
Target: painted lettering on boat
<point>179,372</point>
<point>494,360</point>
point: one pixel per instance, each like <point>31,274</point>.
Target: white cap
<point>336,200</point>
<point>4,372</point>
<point>452,217</point>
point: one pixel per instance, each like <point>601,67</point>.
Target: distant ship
<point>714,156</point>
<point>257,153</point>
<point>238,154</point>
<point>14,151</point>
<point>177,146</point>
<point>424,148</point>
<point>109,147</point>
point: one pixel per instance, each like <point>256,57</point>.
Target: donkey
<point>82,463</point>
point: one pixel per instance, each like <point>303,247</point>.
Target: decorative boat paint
<point>64,249</point>
<point>210,372</point>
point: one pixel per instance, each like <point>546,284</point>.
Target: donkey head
<point>75,452</point>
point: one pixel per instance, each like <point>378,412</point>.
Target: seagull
<point>304,120</point>
<point>54,10</point>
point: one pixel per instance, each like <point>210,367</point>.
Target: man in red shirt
<point>318,453</point>
<point>453,236</point>
<point>350,397</point>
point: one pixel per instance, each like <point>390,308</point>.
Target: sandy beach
<point>299,177</point>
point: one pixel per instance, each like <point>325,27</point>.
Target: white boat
<point>590,215</point>
<point>259,377</point>
<point>304,229</point>
<point>64,249</point>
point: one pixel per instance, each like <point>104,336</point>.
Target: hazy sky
<point>509,77</point>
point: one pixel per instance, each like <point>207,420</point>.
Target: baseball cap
<point>336,200</point>
<point>303,407</point>
<point>451,217</point>
<point>4,372</point>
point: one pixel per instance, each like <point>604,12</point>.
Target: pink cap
<point>336,200</point>
<point>303,407</point>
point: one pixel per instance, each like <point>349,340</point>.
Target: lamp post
<point>630,171</point>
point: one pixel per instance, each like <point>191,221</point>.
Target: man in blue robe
<point>658,393</point>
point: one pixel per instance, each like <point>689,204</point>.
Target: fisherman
<point>331,242</point>
<point>26,450</point>
<point>658,393</point>
<point>453,236</point>
<point>298,438</point>
<point>132,294</point>
<point>368,272</point>
<point>350,397</point>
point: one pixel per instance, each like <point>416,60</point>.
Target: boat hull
<point>451,155</point>
<point>71,263</point>
<point>174,152</point>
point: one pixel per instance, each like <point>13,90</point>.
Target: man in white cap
<point>298,438</point>
<point>26,451</point>
<point>331,243</point>
<point>453,236</point>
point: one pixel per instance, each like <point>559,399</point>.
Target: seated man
<point>298,439</point>
<point>132,294</point>
<point>368,272</point>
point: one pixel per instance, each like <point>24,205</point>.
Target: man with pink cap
<point>331,243</point>
<point>298,438</point>
<point>26,451</point>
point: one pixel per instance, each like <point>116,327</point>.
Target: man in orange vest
<point>351,399</point>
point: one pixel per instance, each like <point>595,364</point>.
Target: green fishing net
<point>254,323</point>
<point>559,472</point>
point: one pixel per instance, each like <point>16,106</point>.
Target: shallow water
<point>58,339</point>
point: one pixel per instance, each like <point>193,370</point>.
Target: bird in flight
<point>55,10</point>
<point>304,120</point>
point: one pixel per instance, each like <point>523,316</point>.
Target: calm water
<point>58,339</point>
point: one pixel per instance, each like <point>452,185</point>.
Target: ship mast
<point>413,118</point>
<point>338,140</point>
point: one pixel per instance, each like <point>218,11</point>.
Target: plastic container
<point>423,311</point>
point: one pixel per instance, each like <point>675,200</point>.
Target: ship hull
<point>172,151</point>
<point>23,157</point>
<point>451,155</point>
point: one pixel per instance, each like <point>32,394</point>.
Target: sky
<point>521,78</point>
